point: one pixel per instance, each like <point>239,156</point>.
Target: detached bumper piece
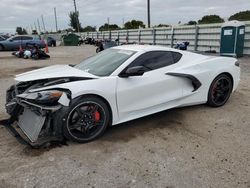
<point>33,124</point>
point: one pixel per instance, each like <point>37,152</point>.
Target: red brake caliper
<point>97,116</point>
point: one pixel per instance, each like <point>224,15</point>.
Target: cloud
<point>95,12</point>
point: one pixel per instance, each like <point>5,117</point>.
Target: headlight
<point>43,97</point>
<point>49,95</point>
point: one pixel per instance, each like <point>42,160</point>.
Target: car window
<point>16,38</point>
<point>177,56</point>
<point>156,59</point>
<point>5,36</point>
<point>26,38</point>
<point>106,62</point>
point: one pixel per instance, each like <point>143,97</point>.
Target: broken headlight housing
<point>43,97</point>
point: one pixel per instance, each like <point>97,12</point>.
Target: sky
<point>26,13</point>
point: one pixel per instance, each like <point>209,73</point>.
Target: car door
<point>26,40</point>
<point>154,90</point>
<point>13,43</point>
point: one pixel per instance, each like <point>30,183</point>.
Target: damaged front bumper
<point>35,124</point>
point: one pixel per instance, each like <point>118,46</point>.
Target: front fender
<point>104,87</point>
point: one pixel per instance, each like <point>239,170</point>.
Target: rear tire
<point>220,91</point>
<point>86,119</point>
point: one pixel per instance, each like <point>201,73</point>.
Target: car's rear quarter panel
<point>205,69</point>
<point>218,65</point>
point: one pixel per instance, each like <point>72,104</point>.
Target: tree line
<point>240,16</point>
<point>135,24</point>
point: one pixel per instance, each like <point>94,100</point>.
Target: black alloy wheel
<point>87,119</point>
<point>220,90</point>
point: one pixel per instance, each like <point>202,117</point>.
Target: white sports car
<point>117,85</point>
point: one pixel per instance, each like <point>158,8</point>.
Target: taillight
<point>237,63</point>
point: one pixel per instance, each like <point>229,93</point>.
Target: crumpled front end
<point>36,117</point>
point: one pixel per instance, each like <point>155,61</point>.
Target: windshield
<point>106,62</point>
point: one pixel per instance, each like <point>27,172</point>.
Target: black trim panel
<point>195,82</point>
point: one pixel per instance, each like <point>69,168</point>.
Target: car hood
<point>55,71</point>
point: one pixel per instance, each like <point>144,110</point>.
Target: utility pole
<point>108,23</point>
<point>38,23</point>
<point>55,19</point>
<point>148,13</point>
<point>77,17</point>
<point>43,24</point>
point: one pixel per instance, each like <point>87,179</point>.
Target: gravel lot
<point>189,147</point>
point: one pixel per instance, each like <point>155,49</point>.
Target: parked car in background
<point>13,43</point>
<point>105,45</point>
<point>51,41</point>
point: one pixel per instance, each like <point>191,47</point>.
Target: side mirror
<point>11,40</point>
<point>133,71</point>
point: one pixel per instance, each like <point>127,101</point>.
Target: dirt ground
<point>188,147</point>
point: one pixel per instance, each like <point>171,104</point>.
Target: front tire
<point>220,91</point>
<point>86,119</point>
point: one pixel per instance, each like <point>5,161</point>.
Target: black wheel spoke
<point>226,88</point>
<point>79,112</point>
<point>83,129</point>
<point>75,126</point>
<point>93,108</point>
<point>87,129</point>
